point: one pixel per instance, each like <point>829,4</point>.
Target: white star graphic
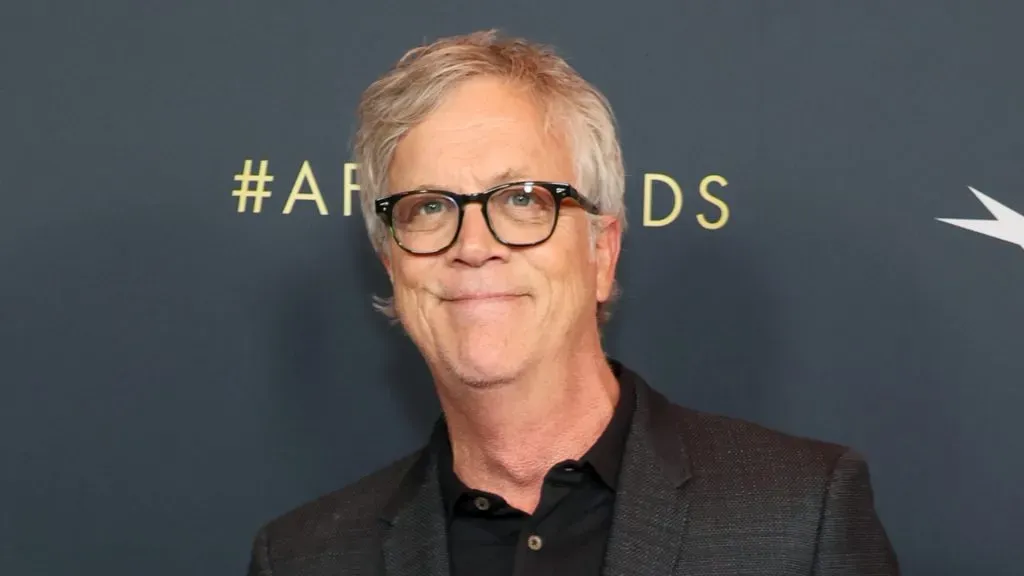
<point>1007,225</point>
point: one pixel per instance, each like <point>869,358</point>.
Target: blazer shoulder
<point>729,444</point>
<point>353,508</point>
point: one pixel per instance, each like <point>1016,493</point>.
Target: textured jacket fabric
<point>699,494</point>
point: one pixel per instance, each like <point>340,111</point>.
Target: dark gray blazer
<point>699,495</point>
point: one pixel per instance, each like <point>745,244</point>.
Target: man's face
<point>482,310</point>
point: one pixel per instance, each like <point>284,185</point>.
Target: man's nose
<point>475,244</point>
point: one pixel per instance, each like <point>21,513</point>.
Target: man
<point>493,194</point>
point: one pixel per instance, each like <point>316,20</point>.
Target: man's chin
<point>485,364</point>
<point>486,341</point>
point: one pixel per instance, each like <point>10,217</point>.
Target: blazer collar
<point>656,429</point>
<point>650,512</point>
<point>415,535</point>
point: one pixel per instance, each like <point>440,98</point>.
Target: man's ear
<point>385,259</point>
<point>607,245</point>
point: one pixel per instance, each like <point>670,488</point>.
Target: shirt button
<point>534,542</point>
<point>481,503</point>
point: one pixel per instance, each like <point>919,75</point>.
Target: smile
<point>485,297</point>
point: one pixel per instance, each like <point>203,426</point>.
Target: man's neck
<point>505,439</point>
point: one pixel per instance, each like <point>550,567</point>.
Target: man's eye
<point>521,199</point>
<point>431,207</point>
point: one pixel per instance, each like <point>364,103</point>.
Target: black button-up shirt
<point>568,532</point>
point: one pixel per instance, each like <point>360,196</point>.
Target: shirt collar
<point>605,456</point>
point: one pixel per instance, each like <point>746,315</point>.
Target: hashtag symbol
<point>246,180</point>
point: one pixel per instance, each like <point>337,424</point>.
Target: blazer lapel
<point>415,537</point>
<point>650,511</point>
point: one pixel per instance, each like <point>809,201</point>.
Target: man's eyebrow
<point>428,187</point>
<point>507,175</point>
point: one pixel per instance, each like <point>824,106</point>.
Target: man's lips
<point>482,297</point>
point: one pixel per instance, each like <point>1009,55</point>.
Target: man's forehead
<point>440,166</point>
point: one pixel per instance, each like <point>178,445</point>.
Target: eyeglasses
<point>518,214</point>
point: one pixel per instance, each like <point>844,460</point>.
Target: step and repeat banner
<point>826,237</point>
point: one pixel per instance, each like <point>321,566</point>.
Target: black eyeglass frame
<point>560,190</point>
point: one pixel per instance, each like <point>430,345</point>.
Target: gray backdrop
<point>175,373</point>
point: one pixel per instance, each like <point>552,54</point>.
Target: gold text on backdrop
<point>254,185</point>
